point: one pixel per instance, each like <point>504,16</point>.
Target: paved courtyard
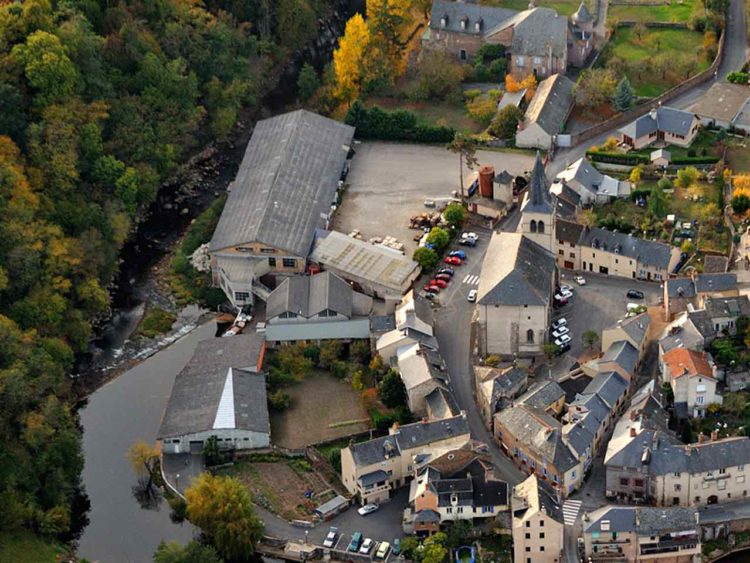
<point>388,183</point>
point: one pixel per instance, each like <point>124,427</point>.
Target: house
<point>628,533</point>
<point>316,308</point>
<point>567,235</point>
<point>414,322</point>
<point>633,330</point>
<point>221,392</point>
<point>662,124</point>
<point>693,380</point>
<point>285,189</point>
<point>371,469</point>
<point>547,396</point>
<point>375,270</point>
<point>538,42</point>
<point>592,186</point>
<point>459,485</point>
<point>618,254</point>
<point>514,297</point>
<point>621,357</point>
<point>722,106</point>
<point>547,113</point>
<point>724,312</point>
<point>420,377</point>
<point>537,523</point>
<point>678,292</point>
<point>441,404</point>
<point>537,212</point>
<point>566,202</point>
<point>681,333</point>
<point>497,388</point>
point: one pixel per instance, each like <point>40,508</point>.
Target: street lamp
<point>306,534</point>
<point>177,479</point>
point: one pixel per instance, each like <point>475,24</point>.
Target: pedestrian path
<point>471,279</point>
<point>570,511</point>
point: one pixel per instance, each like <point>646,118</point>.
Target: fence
<point>672,93</point>
<point>654,25</point>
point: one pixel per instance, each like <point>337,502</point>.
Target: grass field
<point>676,45</point>
<point>24,547</point>
<point>439,113</point>
<point>678,12</point>
<point>563,7</point>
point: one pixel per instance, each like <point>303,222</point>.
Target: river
<point>125,410</point>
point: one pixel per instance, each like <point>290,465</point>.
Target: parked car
<point>562,349</point>
<point>382,551</point>
<point>447,271</point>
<point>367,509</point>
<point>333,535</point>
<point>635,294</point>
<point>396,546</point>
<point>355,542</point>
<point>562,321</point>
<point>566,287</point>
<point>472,297</point>
<point>560,300</point>
<point>442,284</point>
<point>429,295</point>
<point>430,288</point>
<point>467,242</point>
<point>444,277</point>
<point>563,340</point>
<point>458,253</point>
<point>580,280</point>
<point>560,331</point>
<point>366,546</point>
<point>566,293</point>
<point>453,260</point>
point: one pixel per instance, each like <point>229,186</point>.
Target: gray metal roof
<point>623,354</point>
<point>702,323</point>
<point>286,183</point>
<point>609,386</point>
<point>306,296</point>
<point>218,366</point>
<point>537,198</point>
<point>373,477</point>
<point>647,252</point>
<point>550,106</point>
<point>441,403</point>
<point>707,283</point>
<point>471,13</point>
<point>516,271</point>
<point>669,120</point>
<point>722,101</point>
<point>654,521</point>
<point>680,288</point>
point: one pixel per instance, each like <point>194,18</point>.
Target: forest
<point>100,101</point>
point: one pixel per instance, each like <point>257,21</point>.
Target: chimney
<point>633,415</point>
<point>701,437</point>
<point>632,432</point>
<point>714,435</point>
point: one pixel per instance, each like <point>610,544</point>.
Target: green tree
<point>425,257</point>
<point>434,549</point>
<point>330,351</point>
<point>392,391</point>
<point>212,454</point>
<point>664,183</point>
<point>505,123</point>
<point>193,552</point>
<point>657,203</point>
<point>144,459</point>
<point>624,96</point>
<point>307,82</point>
<point>550,350</point>
<point>687,176</point>
<point>455,214</point>
<point>589,338</point>
<point>439,77</point>
<point>279,400</point>
<point>439,238</point>
<point>466,149</point>
<point>47,67</point>
<point>358,382</point>
<point>221,507</point>
<point>687,247</point>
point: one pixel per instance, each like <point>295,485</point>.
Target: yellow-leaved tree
<point>349,58</point>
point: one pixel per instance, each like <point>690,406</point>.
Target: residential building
<point>370,470</point>
<point>441,404</point>
<point>514,296</point>
<point>373,269</point>
<point>547,396</point>
<point>537,525</point>
<point>497,388</point>
<point>640,534</point>
<point>316,308</point>
<point>285,189</point>
<point>581,36</point>
<point>221,392</point>
<point>618,254</point>
<point>419,376</point>
<point>547,113</point>
<point>681,333</point>
<point>414,324</point>
<point>621,357</point>
<point>567,235</point>
<point>661,125</point>
<point>459,485</point>
<point>633,330</point>
<point>693,380</point>
<point>537,214</point>
<point>694,290</point>
<point>723,106</point>
<point>724,312</point>
<point>591,185</point>
<point>566,202</point>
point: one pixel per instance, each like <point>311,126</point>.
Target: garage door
<point>568,264</point>
<point>196,446</point>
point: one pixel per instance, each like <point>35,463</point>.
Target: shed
<point>331,508</point>
<point>661,157</point>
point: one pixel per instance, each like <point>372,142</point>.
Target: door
<point>660,135</point>
<point>568,264</point>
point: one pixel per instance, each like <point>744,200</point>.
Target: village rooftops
<point>623,354</point>
<point>663,118</point>
<point>688,287</point>
<point>537,32</point>
<point>543,395</point>
<point>723,101</point>
<point>307,296</point>
<point>649,253</point>
<point>687,362</point>
<point>534,495</point>
<point>636,327</point>
<point>550,106</point>
<point>727,307</point>
<point>515,271</point>
<point>286,183</point>
<point>449,15</point>
<point>609,386</point>
<point>643,520</point>
<point>568,231</point>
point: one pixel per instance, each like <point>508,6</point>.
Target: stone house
<point>497,387</point>
<point>537,524</point>
<point>547,113</point>
<point>692,377</point>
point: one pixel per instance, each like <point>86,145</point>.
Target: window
<point>700,400</point>
<point>541,523</point>
<point>721,485</point>
<point>541,548</point>
<point>532,226</point>
<point>676,474</point>
<point>639,482</point>
<point>529,336</point>
<point>537,60</point>
<point>460,510</point>
<point>561,252</point>
<point>528,536</point>
<point>697,499</point>
<point>572,254</point>
<point>540,226</point>
<point>740,468</point>
<point>519,61</point>
<point>462,54</point>
<point>241,296</point>
<point>267,250</point>
<point>560,242</point>
<point>624,482</point>
<point>289,262</point>
<point>272,262</point>
<point>722,471</point>
<point>528,524</point>
<point>675,500</point>
<point>528,549</point>
<point>449,510</point>
<point>677,487</point>
<point>541,535</point>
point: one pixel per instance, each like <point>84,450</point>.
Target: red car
<point>429,288</point>
<point>444,277</point>
<point>442,284</point>
<point>453,260</point>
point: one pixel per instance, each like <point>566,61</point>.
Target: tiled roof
<point>551,104</point>
<point>681,361</point>
<point>647,252</point>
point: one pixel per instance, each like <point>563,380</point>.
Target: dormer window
<point>444,21</point>
<point>478,25</point>
<point>464,22</point>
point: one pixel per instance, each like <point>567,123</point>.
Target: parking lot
<point>388,183</point>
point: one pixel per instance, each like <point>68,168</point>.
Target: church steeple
<point>537,212</point>
<point>538,199</point>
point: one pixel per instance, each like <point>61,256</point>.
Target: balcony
<point>670,546</point>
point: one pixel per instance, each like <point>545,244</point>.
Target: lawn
<point>638,54</point>
<point>322,408</point>
<point>435,112</point>
<point>563,7</point>
<point>25,547</point>
<point>705,142</point>
<point>738,158</point>
<point>672,12</point>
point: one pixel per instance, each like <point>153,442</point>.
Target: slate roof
<point>563,191</point>
<point>643,520</point>
<point>583,171</point>
<point>636,327</point>
<point>441,403</point>
<point>680,288</point>
<point>580,438</point>
<point>702,323</point>
<point>503,177</point>
<point>550,105</point>
<point>539,495</point>
<point>504,385</point>
<point>568,231</point>
<point>707,283</point>
<point>375,450</point>
<point>543,394</point>
<point>287,180</point>
<point>609,386</point>
<point>650,253</point>
<point>537,198</point>
<point>422,433</point>
<point>582,14</point>
<point>490,16</point>
<point>515,271</point>
<point>564,209</point>
<point>306,296</point>
<point>536,31</point>
<point>623,354</point>
<point>727,306</point>
<point>669,120</point>
<point>715,264</point>
<point>373,477</point>
<point>220,368</point>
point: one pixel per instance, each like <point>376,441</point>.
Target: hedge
<point>398,125</point>
<point>617,158</point>
<point>696,160</point>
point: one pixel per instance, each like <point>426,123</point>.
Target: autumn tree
<point>349,58</point>
<point>222,508</point>
<point>439,76</point>
<point>505,123</point>
<point>466,149</point>
<point>595,87</point>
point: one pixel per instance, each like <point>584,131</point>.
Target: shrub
<point>738,77</point>
<point>279,401</point>
<point>664,183</point>
<point>498,68</point>
<point>617,158</point>
<point>455,214</point>
<point>481,109</point>
<point>740,203</point>
<point>505,123</point>
<point>691,152</point>
<point>399,125</point>
<point>481,73</point>
<point>339,369</point>
<point>696,160</point>
<point>473,93</point>
<point>488,53</point>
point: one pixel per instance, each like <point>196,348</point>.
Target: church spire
<point>538,197</point>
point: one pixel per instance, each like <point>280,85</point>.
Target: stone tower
<point>537,212</point>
